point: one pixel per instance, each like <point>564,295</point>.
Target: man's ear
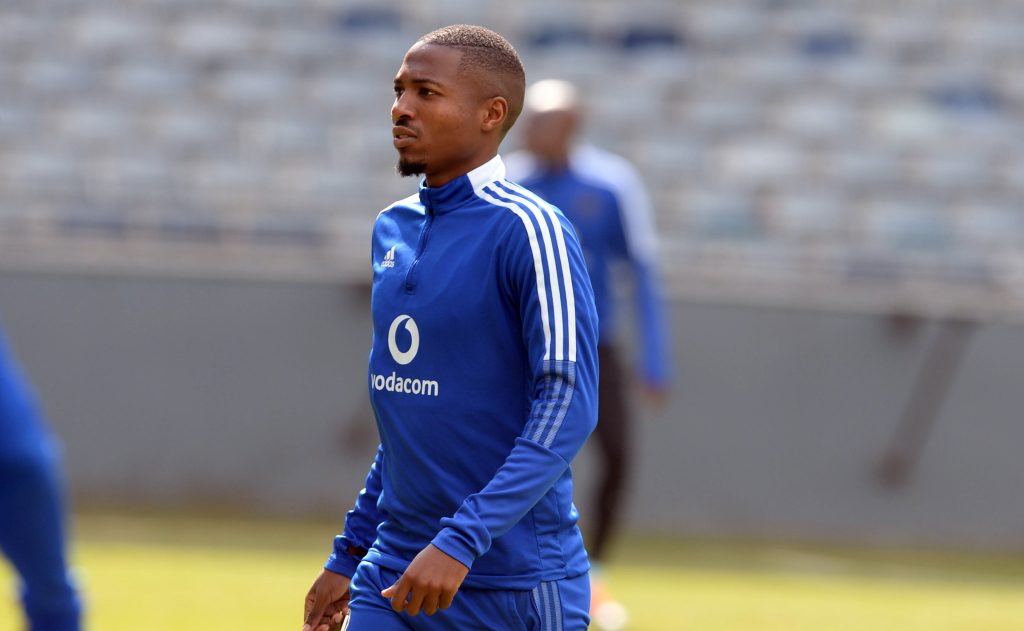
<point>495,112</point>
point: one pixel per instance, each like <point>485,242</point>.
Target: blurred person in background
<point>483,374</point>
<point>31,506</point>
<point>604,198</point>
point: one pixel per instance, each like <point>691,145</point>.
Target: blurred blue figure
<point>604,198</point>
<point>31,506</point>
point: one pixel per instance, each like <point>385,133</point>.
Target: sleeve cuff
<point>345,558</point>
<point>342,564</point>
<point>455,545</point>
<point>658,379</point>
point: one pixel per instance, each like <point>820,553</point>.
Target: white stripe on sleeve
<point>570,298</point>
<point>538,266</point>
<point>556,294</point>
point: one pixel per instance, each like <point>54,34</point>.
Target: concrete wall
<point>250,394</point>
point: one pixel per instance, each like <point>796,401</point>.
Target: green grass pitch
<point>165,573</point>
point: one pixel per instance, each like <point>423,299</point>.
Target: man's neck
<point>437,180</point>
<point>558,165</point>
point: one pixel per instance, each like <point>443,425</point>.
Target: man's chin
<point>407,167</point>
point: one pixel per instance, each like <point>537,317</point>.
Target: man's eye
<point>427,92</point>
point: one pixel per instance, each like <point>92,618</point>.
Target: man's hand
<point>655,395</point>
<point>428,584</point>
<point>326,603</point>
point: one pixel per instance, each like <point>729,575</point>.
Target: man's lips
<point>403,136</point>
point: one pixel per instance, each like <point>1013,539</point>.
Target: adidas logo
<point>389,257</point>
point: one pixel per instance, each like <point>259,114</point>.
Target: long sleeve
<point>652,329</point>
<point>640,237</point>
<point>546,282</point>
<point>360,523</point>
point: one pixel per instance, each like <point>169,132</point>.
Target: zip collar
<point>459,191</point>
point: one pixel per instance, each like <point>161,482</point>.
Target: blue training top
<point>603,197</point>
<point>483,378</point>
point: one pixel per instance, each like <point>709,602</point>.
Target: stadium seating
<point>835,133</point>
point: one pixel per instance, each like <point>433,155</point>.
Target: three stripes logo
<point>389,258</point>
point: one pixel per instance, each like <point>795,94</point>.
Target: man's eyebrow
<point>420,81</point>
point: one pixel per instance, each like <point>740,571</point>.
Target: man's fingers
<point>315,612</point>
<point>397,593</point>
<point>337,620</point>
<point>429,606</point>
<point>447,597</point>
<point>330,620</point>
<point>416,597</point>
<point>306,609</point>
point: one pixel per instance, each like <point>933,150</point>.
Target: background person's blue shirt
<point>604,198</point>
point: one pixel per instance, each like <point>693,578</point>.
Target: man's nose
<point>401,108</point>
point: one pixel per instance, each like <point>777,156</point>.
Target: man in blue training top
<point>31,509</point>
<point>483,374</point>
<point>604,198</point>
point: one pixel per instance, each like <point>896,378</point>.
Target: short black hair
<point>492,56</point>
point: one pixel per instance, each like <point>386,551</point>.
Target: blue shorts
<point>562,605</point>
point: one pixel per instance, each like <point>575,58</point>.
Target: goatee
<point>406,168</point>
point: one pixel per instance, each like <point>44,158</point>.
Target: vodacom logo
<point>400,383</point>
<point>404,357</point>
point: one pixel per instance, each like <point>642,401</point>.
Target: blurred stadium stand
<point>832,161</point>
<point>858,154</point>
